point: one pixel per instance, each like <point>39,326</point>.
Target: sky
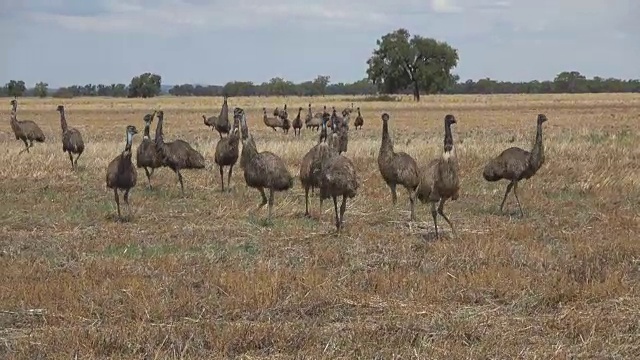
<point>65,42</point>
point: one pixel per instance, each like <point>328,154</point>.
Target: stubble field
<point>205,277</point>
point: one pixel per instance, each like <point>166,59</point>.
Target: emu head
<point>542,118</point>
<point>449,119</point>
<point>385,117</point>
<point>14,104</point>
<point>149,118</point>
<point>60,108</point>
<point>132,130</point>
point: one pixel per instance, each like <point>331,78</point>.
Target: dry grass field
<point>205,276</point>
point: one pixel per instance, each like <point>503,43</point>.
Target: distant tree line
<point>401,64</point>
<point>565,82</point>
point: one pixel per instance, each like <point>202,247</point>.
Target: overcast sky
<point>66,42</point>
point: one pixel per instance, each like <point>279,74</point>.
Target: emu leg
<point>412,204</point>
<point>115,194</point>
<point>221,176</point>
<point>229,178</point>
<point>146,171</point>
<point>264,198</point>
<point>71,159</point>
<point>441,212</point>
<point>270,203</point>
<point>434,214</point>
<point>75,162</point>
<point>515,192</point>
<point>394,195</point>
<point>505,195</point>
<point>306,201</point>
<point>343,207</point>
<point>181,183</point>
<point>126,201</point>
<point>335,209</point>
<point>26,147</point>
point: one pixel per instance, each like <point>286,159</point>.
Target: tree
<point>16,88</point>
<point>41,89</point>
<point>423,64</point>
<point>570,82</point>
<point>145,85</point>
<point>320,84</point>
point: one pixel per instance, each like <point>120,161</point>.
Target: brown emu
<point>340,126</point>
<point>272,122</point>
<point>147,156</point>
<point>309,178</point>
<point>219,123</point>
<point>439,181</point>
<point>338,177</point>
<point>25,130</point>
<point>313,121</point>
<point>228,150</point>
<point>297,123</point>
<point>178,154</point>
<point>359,121</point>
<point>121,174</point>
<point>397,168</point>
<point>515,164</point>
<point>262,170</point>
<point>71,139</point>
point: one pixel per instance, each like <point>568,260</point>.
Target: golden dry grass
<point>205,277</point>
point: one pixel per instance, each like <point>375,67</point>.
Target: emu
<point>515,164</point>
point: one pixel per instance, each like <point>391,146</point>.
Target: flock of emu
<point>323,167</point>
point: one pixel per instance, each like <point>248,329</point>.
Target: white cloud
<point>172,16</point>
<point>445,6</point>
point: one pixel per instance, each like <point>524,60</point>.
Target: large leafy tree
<point>402,61</point>
<point>16,88</point>
<point>145,86</point>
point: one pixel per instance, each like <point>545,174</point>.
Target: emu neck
<point>159,139</point>
<point>127,147</point>
<point>147,125</point>
<point>536,157</point>
<point>249,152</point>
<point>387,145</point>
<point>63,121</point>
<point>449,149</point>
<point>224,112</point>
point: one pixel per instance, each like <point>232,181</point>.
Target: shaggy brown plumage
<point>262,170</point>
<point>177,154</point>
<point>297,123</point>
<point>121,174</point>
<point>338,177</point>
<point>515,164</point>
<point>272,122</point>
<point>228,150</point>
<point>397,168</point>
<point>359,121</point>
<point>308,178</point>
<point>439,180</point>
<point>72,142</point>
<point>25,130</point>
<point>147,156</point>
